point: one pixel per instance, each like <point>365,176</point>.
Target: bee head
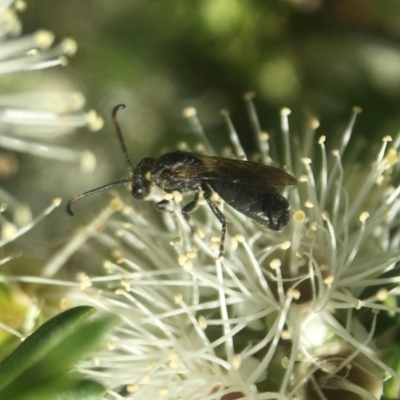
<point>141,186</point>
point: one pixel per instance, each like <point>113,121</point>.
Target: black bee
<point>248,187</point>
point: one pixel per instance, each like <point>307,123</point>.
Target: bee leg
<point>207,194</point>
<point>189,208</point>
<point>164,206</point>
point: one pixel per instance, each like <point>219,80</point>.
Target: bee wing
<point>237,171</point>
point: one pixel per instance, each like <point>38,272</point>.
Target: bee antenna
<point>120,136</point>
<point>93,191</point>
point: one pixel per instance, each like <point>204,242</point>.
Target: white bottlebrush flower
<point>29,118</point>
<point>29,121</point>
<point>279,316</point>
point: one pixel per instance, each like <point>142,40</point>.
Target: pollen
<point>20,5</point>
<point>84,281</point>
<point>175,241</point>
<point>126,284</point>
<point>240,238</point>
<point>392,157</point>
<point>387,138</point>
<point>293,293</point>
<point>146,378</point>
<point>173,356</point>
<point>189,112</point>
<point>364,216</point>
<point>108,266</point>
<point>178,297</point>
<point>314,123</point>
<point>285,245</point>
<point>191,254</point>
<point>200,233</point>
<point>8,231</point>
<point>134,387</point>
<point>177,196</point>
<point>286,335</point>
<point>188,265</point>
<point>116,204</point>
<point>299,216</point>
<point>126,210</point>
<point>111,344</point>
<point>234,243</point>
<point>303,178</point>
<point>236,362</point>
<point>200,148</point>
<point>263,136</point>
<point>322,139</point>
<point>173,360</point>
<point>275,263</point>
<point>214,246</point>
<point>94,121</point>
<point>182,259</point>
<point>65,303</point>
<point>57,201</point>
<point>173,364</point>
<point>329,280</point>
<point>202,322</point>
<point>69,46</point>
<point>120,232</point>
<point>284,362</point>
<point>183,146</point>
<point>44,39</point>
<point>309,204</point>
<point>382,294</point>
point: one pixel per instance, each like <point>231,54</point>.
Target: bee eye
<point>139,192</point>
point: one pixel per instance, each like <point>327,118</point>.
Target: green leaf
<point>41,342</point>
<point>80,390</point>
<point>76,390</point>
<point>54,369</point>
<point>72,349</point>
<point>40,368</point>
<point>84,389</point>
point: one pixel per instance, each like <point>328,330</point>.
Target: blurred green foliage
<point>314,56</point>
